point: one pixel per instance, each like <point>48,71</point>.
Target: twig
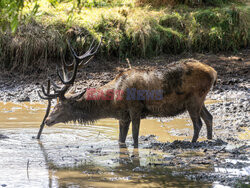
<point>223,149</point>
<point>27,169</point>
<point>129,65</point>
<point>47,113</point>
<point>98,134</point>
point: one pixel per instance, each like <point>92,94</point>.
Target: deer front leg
<point>124,126</point>
<point>136,119</point>
<point>135,130</point>
<point>135,116</point>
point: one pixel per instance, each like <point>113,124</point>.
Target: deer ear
<point>78,95</point>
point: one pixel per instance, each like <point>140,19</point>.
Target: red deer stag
<point>136,94</point>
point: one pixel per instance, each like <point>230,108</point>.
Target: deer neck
<point>88,111</point>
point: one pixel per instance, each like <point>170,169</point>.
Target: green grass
<point>127,30</point>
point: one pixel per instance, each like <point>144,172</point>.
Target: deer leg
<point>135,117</point>
<point>124,126</point>
<point>135,130</point>
<point>197,123</point>
<point>208,119</point>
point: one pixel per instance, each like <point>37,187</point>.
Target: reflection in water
<point>15,152</point>
<point>125,159</point>
<point>46,163</point>
<point>126,171</point>
<point>66,158</point>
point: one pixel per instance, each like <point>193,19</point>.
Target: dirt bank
<point>233,74</point>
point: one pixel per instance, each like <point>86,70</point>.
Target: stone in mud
<point>24,99</point>
<point>148,137</point>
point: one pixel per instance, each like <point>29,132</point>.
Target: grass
<point>128,30</point>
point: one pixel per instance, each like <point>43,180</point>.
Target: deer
<point>134,94</point>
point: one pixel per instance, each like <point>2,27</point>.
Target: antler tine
<point>97,47</point>
<point>72,51</point>
<point>64,72</point>
<point>86,61</point>
<point>48,95</point>
<point>65,64</point>
<point>90,48</point>
<point>89,52</point>
<point>60,77</point>
<point>54,84</point>
<point>45,98</point>
<point>61,91</point>
<point>72,79</point>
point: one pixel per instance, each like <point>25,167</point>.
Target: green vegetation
<point>129,28</point>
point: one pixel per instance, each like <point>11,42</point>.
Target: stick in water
<point>47,113</point>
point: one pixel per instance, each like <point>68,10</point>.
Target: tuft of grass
<point>192,3</point>
<point>219,30</point>
<point>30,47</point>
<point>158,3</point>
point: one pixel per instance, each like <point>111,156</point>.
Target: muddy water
<point>79,156</point>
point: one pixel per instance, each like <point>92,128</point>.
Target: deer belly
<point>166,108</point>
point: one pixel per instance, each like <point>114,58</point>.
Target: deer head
<point>62,111</point>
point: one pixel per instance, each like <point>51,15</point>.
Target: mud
<point>73,154</point>
<point>211,161</point>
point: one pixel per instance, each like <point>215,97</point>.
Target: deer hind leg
<point>208,119</point>
<point>194,112</point>
<point>124,126</point>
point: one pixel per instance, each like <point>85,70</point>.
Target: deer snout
<point>48,122</point>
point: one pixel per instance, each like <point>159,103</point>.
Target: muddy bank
<point>233,75</point>
<point>214,161</point>
<point>224,160</point>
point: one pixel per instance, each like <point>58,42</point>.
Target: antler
<point>59,91</point>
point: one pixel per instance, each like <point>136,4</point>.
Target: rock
<point>24,99</point>
<point>3,136</point>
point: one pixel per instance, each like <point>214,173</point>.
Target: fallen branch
<point>223,149</point>
<point>47,113</point>
<point>27,169</point>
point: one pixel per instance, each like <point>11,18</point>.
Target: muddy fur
<point>184,86</point>
<point>173,79</point>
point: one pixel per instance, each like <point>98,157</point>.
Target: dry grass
<point>157,3</point>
